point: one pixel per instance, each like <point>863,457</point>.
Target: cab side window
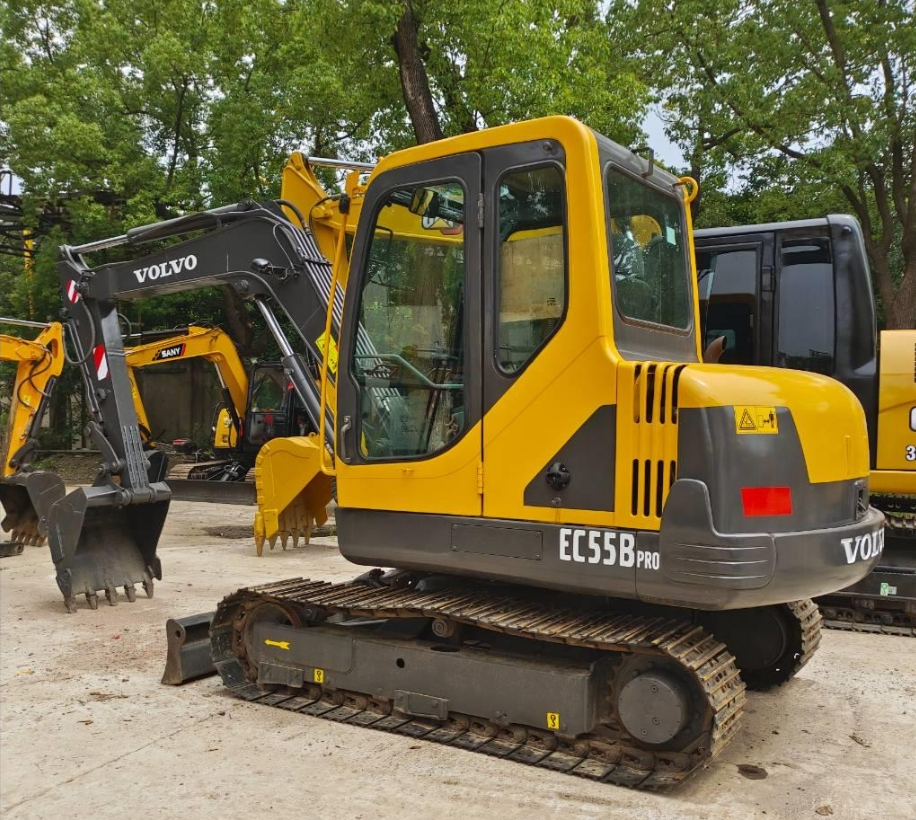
<point>728,301</point>
<point>531,298</point>
<point>806,338</point>
<point>409,357</point>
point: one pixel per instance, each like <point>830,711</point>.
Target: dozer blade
<point>27,498</point>
<point>188,655</point>
<point>293,493</point>
<point>103,539</point>
<point>213,492</point>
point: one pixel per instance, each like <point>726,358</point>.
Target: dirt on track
<point>86,726</point>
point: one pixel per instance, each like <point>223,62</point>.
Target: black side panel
<point>589,457</point>
<point>704,432</point>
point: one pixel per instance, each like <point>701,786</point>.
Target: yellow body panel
<point>897,411</point>
<point>828,416</point>
<point>446,483</point>
<point>39,361</point>
<point>225,436</point>
<point>526,426</point>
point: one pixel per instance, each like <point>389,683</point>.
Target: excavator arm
<point>39,363</point>
<point>105,536</point>
<point>210,343</point>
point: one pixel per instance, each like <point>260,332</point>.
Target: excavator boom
<point>104,537</point>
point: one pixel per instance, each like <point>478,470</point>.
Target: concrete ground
<point>86,727</point>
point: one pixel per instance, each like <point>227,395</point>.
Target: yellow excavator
<point>253,414</point>
<point>39,362</point>
<point>596,541</point>
<point>215,346</point>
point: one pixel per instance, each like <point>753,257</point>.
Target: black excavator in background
<point>799,295</point>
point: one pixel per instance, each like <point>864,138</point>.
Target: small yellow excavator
<point>193,342</point>
<point>253,414</point>
<point>39,363</point>
<point>597,542</point>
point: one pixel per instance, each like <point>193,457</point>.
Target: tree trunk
<point>901,312</point>
<point>239,325</point>
<point>414,80</point>
<point>899,302</point>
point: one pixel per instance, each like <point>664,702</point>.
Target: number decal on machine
<point>319,675</point>
<point>911,452</point>
<point>553,720</point>
<point>605,547</point>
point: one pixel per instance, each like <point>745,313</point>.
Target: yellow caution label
<point>319,675</point>
<point>553,720</point>
<point>332,356</point>
<point>755,419</point>
<point>278,644</point>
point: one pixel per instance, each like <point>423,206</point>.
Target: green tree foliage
<point>817,97</point>
<point>124,113</point>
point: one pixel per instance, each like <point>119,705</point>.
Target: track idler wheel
<point>263,612</point>
<point>770,643</point>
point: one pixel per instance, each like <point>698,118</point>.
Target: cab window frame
<point>466,325</point>
<point>496,249</point>
<point>690,273</point>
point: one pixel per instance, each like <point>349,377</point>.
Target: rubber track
<point>809,616</point>
<point>870,623</point>
<point>598,758</point>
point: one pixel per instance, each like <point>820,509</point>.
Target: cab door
<point>736,282</point>
<point>409,398</point>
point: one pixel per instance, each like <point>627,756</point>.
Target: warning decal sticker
<point>755,419</point>
<point>101,362</point>
<point>332,356</point>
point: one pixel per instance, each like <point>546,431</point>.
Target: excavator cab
<point>799,294</point>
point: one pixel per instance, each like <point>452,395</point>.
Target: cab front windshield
<point>649,263</point>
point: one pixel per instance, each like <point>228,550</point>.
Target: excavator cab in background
<point>39,363</point>
<point>799,295</point>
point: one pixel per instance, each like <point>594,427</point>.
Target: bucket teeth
<point>93,600</point>
<point>259,544</point>
<point>148,587</point>
<point>272,541</point>
<point>295,535</point>
<point>130,592</point>
<point>111,595</point>
<point>284,539</point>
<point>70,603</point>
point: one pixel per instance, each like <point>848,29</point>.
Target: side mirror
<point>422,201</point>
